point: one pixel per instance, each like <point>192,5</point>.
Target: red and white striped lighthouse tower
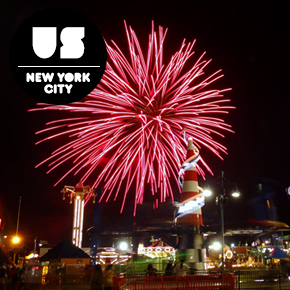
<point>190,191</point>
<point>190,248</point>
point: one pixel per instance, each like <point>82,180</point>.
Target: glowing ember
<point>128,131</point>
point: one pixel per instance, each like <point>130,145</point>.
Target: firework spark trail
<point>134,119</point>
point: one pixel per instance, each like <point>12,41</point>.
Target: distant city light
<point>235,194</point>
<point>123,246</point>
<point>15,240</point>
<point>31,256</point>
<point>207,192</point>
<point>216,246</point>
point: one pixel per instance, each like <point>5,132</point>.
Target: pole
<point>34,249</point>
<point>19,206</point>
<point>23,266</point>
<point>221,200</point>
<point>17,225</point>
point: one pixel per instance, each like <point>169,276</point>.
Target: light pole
<point>221,200</point>
<point>16,239</point>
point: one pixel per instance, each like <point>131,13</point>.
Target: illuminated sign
<point>155,250</point>
<point>229,254</point>
<point>111,256</point>
<point>44,272</point>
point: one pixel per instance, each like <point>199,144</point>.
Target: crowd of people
<point>177,269</point>
<point>102,280</point>
<point>12,279</point>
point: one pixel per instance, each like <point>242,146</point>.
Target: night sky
<point>249,42</point>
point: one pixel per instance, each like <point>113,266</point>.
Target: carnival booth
<point>158,249</point>
<point>67,253</point>
<point>277,255</point>
<point>159,253</point>
<point>109,255</point>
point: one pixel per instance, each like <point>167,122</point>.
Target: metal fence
<point>190,282</point>
<point>262,279</point>
<point>242,279</point>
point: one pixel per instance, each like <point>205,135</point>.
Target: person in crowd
<point>108,277</point>
<point>14,278</point>
<point>150,271</point>
<point>22,279</point>
<point>97,278</point>
<point>169,269</point>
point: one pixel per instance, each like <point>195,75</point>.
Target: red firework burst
<point>135,116</point>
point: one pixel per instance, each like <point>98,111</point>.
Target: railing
<point>262,279</point>
<point>161,273</point>
<point>196,282</point>
<point>239,280</point>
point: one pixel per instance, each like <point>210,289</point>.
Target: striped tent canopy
<point>277,253</point>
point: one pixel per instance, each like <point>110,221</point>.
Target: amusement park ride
<point>80,194</point>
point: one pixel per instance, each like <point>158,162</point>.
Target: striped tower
<point>190,192</point>
<point>191,244</point>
